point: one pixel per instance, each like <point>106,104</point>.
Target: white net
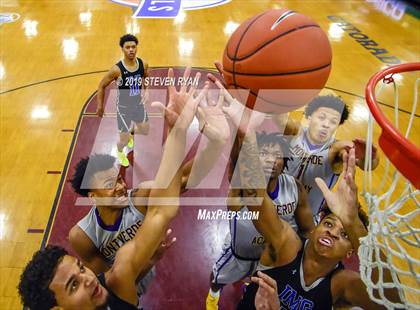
<point>390,253</point>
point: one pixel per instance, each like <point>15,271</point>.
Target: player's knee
<point>124,137</point>
<point>142,129</point>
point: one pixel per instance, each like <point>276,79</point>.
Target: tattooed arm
<point>277,232</point>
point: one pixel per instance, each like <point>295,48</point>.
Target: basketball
<point>282,57</point>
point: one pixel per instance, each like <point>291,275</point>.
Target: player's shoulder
<point>78,237</point>
<point>145,63</point>
<point>341,279</point>
<point>115,69</point>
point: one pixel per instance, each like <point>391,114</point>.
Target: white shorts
<point>229,269</point>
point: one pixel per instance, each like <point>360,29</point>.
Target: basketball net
<point>394,228</point>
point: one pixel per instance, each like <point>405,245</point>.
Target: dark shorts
<point>132,113</point>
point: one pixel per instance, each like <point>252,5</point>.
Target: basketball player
<point>53,279</point>
<point>97,237</point>
<point>244,244</point>
<point>129,74</point>
<point>314,151</point>
<point>308,273</point>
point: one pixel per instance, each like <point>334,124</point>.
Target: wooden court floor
<point>53,56</point>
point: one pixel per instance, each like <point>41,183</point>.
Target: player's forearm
<point>100,96</point>
<point>251,174</point>
<point>253,185</point>
<point>287,125</point>
<point>145,271</point>
<point>172,157</point>
<point>202,163</point>
<point>355,230</point>
<point>164,197</point>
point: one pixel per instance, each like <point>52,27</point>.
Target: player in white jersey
<point>244,244</point>
<point>97,237</point>
<point>314,152</point>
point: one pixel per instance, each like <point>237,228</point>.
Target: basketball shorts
<point>229,268</point>
<point>131,113</point>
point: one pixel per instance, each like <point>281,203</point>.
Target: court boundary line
<point>201,68</point>
<point>60,187</point>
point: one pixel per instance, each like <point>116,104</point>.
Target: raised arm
<point>215,129</point>
<point>287,125</point>
<point>347,285</point>
<point>135,255</point>
<point>111,75</point>
<point>303,213</point>
<point>340,148</point>
<point>277,232</point>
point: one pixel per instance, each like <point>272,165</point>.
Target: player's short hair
<point>128,38</point>
<point>274,138</point>
<point>37,276</point>
<point>328,101</point>
<point>86,168</point>
<point>362,214</point>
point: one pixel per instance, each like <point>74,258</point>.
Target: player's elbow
<point>165,213</point>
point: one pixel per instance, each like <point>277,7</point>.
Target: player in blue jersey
<point>129,74</point>
<point>308,272</point>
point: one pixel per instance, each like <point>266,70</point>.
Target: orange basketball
<point>282,57</point>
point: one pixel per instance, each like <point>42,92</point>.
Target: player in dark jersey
<point>129,74</point>
<point>53,279</point>
<point>309,273</point>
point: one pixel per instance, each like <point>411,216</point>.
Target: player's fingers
<point>221,86</point>
<point>200,114</point>
<point>185,77</point>
<point>201,95</point>
<point>351,162</point>
<point>171,242</point>
<point>359,141</point>
<point>159,105</point>
<point>171,77</point>
<point>323,187</point>
<point>211,77</point>
<point>227,111</point>
<point>194,85</point>
<point>345,162</point>
<point>168,232</point>
<point>219,67</point>
<point>220,100</point>
<point>269,280</point>
<point>266,288</point>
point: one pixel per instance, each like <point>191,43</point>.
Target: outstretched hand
<point>164,246</point>
<point>360,149</point>
<point>212,120</point>
<point>267,295</point>
<point>182,104</point>
<point>343,202</point>
<point>242,117</point>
